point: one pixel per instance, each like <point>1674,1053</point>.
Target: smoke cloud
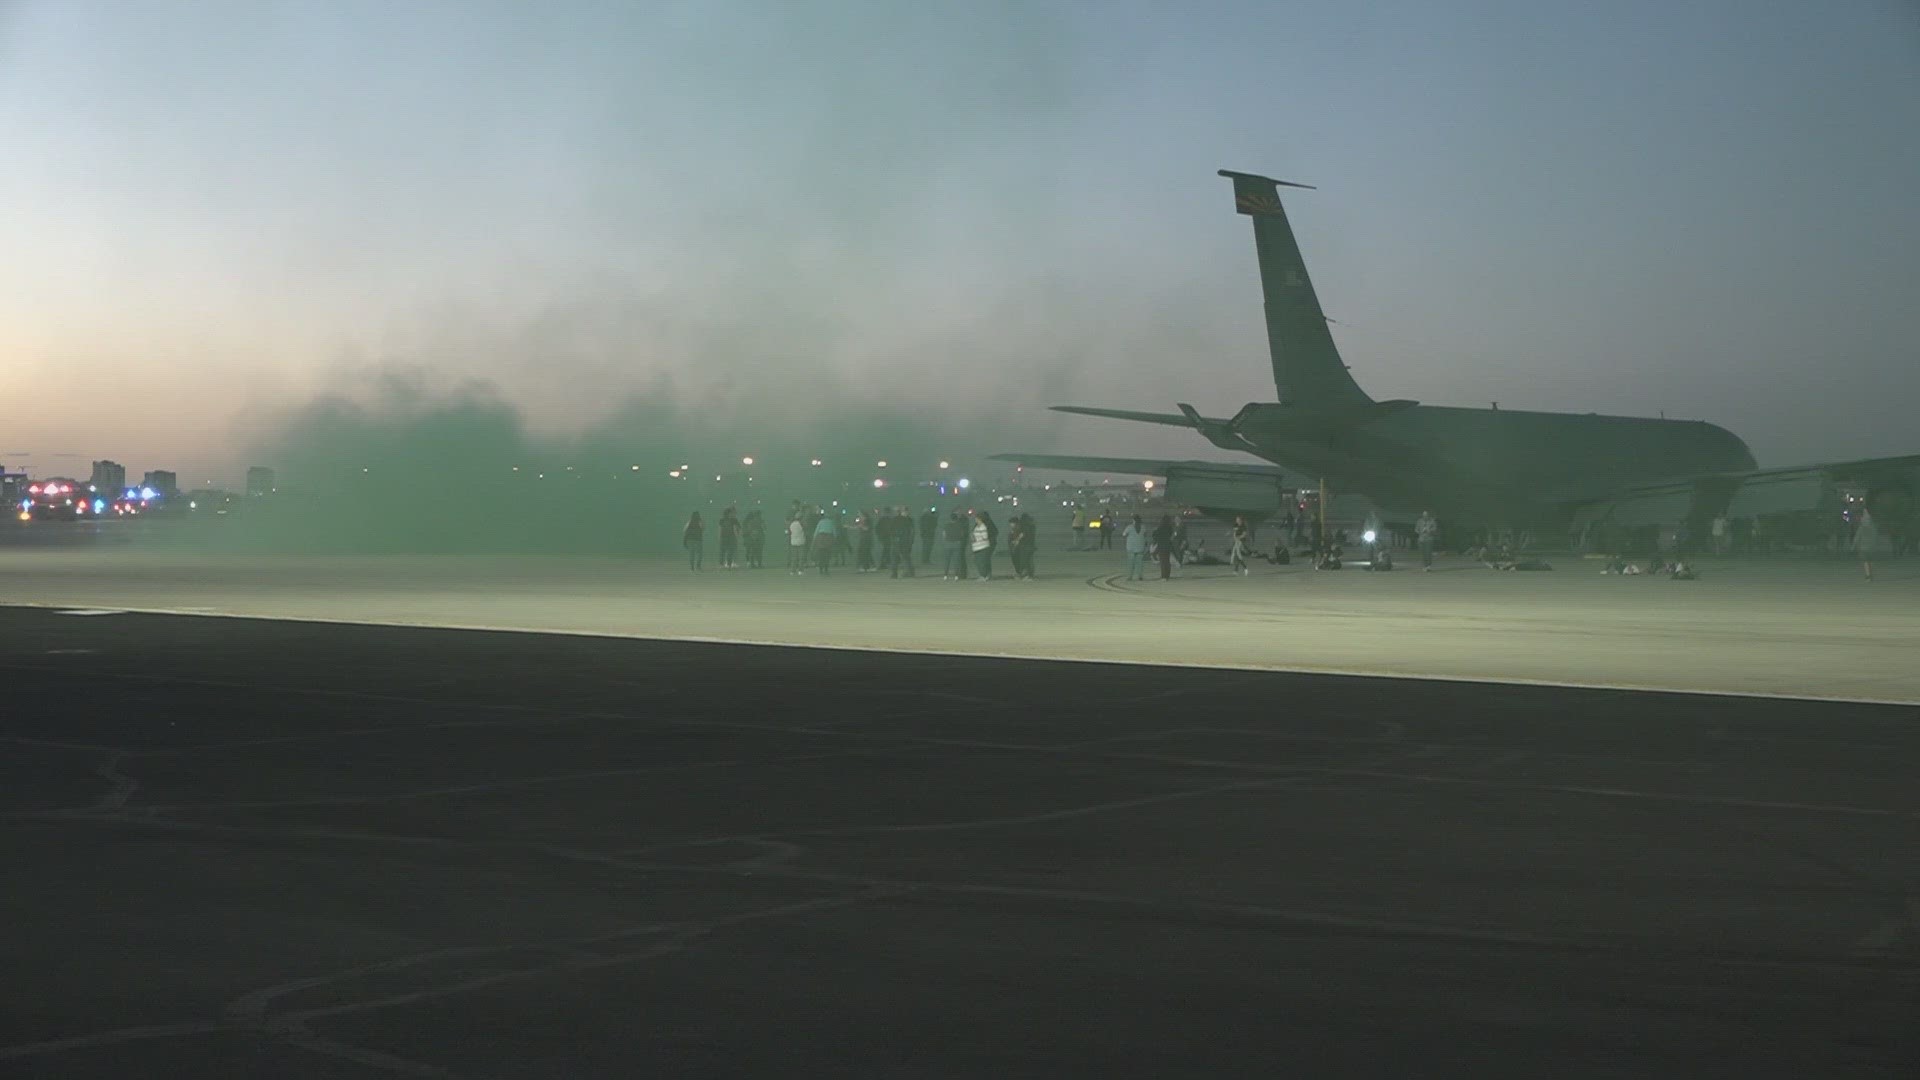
<point>408,463</point>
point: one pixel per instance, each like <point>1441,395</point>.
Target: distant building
<point>13,488</point>
<point>259,481</point>
<point>109,477</point>
<point>162,482</point>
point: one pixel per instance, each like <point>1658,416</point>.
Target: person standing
<point>882,523</point>
<point>1163,545</point>
<point>902,535</point>
<point>1029,543</point>
<point>1136,536</point>
<point>954,536</point>
<point>1079,528</point>
<point>983,535</point>
<point>1426,528</point>
<point>1242,544</point>
<point>1106,530</point>
<point>863,544</point>
<point>729,538</point>
<point>826,542</point>
<point>753,533</point>
<point>1013,547</point>
<point>929,528</point>
<point>1866,536</point>
<point>797,544</point>
<point>694,537</point>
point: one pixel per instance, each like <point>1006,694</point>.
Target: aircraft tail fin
<point>1307,369</point>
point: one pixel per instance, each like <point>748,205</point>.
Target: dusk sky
<point>214,209</point>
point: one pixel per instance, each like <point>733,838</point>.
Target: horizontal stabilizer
<point>1132,466</point>
<point>1171,419</point>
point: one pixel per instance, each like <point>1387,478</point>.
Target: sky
<point>218,211</point>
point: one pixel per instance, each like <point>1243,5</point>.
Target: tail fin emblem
<point>1257,204</point>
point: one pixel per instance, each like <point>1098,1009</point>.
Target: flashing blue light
<point>99,505</point>
<point>147,494</point>
<point>965,483</point>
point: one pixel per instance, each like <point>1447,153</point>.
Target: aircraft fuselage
<point>1500,466</point>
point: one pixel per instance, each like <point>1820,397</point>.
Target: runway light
<point>675,473</point>
<point>882,464</point>
<point>965,483</point>
<point>636,468</point>
<point>944,465</point>
<point>1148,484</point>
<point>746,461</point>
<point>816,463</point>
<point>879,483</point>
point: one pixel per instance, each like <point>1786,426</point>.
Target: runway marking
<point>1628,793</point>
<point>677,938</point>
<point>245,1013</point>
<point>516,782</point>
<point>1050,815</point>
<point>91,611</point>
<point>885,887</point>
<point>1109,661</point>
<point>298,1035</point>
<point>1327,920</point>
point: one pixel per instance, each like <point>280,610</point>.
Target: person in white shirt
<point>797,545</point>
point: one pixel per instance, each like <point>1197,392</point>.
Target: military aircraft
<point>1504,468</point>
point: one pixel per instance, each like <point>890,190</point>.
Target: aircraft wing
<point>1133,466</point>
<point>1752,491</point>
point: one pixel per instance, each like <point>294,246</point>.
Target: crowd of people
<point>898,541</point>
<point>870,541</point>
<point>903,544</point>
<point>966,540</point>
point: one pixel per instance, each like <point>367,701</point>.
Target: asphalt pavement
<point>259,848</point>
